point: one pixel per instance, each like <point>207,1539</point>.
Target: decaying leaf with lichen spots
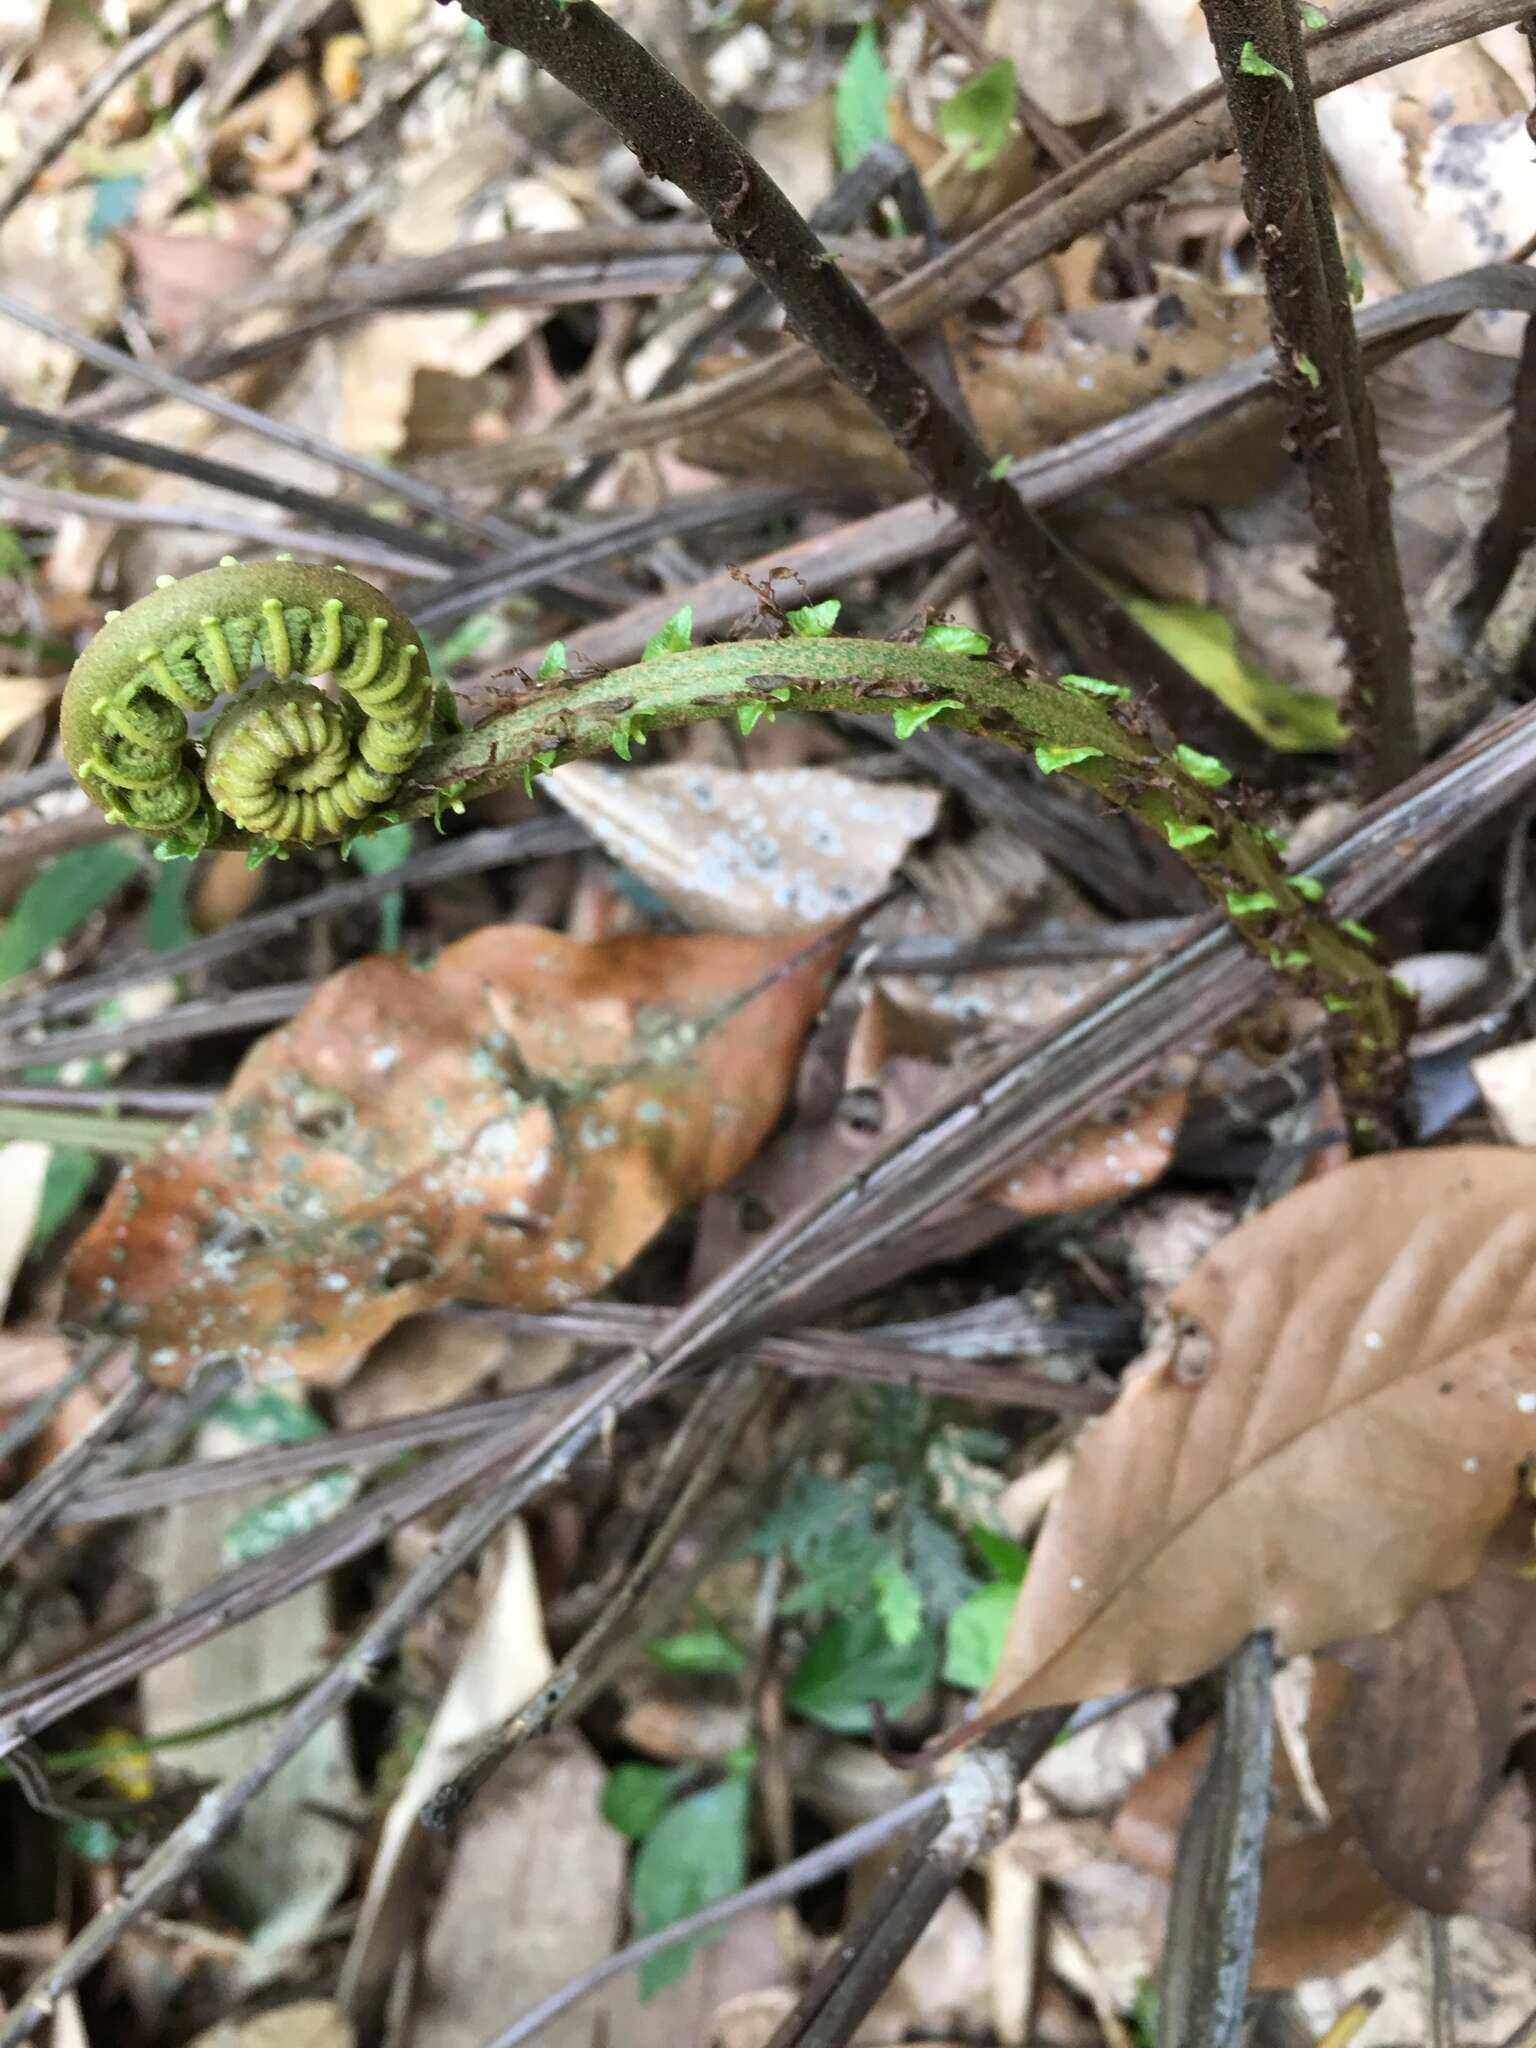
<point>510,1126</point>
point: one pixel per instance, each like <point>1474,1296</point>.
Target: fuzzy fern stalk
<point>290,763</point>
<point>1071,725</point>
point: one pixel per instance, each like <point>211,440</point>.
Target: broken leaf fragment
<point>510,1125</point>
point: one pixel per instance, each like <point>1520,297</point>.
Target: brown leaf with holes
<point>511,1125</point>
<point>1331,1435</point>
<point>1322,1908</point>
<point>1443,1702</point>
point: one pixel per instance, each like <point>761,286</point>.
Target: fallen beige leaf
<point>773,850</point>
<point>1332,1435</point>
<point>505,1658</point>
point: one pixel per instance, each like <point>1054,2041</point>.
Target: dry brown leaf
<point>1332,1435</point>
<point>184,278</point>
<point>1442,1702</point>
<point>511,1125</point>
<point>898,1063</point>
<point>1082,370</point>
<point>434,1360</point>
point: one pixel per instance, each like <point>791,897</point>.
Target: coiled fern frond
<point>286,762</point>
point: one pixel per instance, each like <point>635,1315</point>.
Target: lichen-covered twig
<point>1261,48</point>
<point>1213,1913</point>
<point>979,1811</point>
<point>1078,726</point>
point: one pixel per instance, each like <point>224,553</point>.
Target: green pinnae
<point>138,714</point>
<point>1182,836</point>
<point>325,650</point>
<point>285,760</point>
<point>370,660</point>
<point>279,648</point>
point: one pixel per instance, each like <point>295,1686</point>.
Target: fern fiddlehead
<point>285,763</point>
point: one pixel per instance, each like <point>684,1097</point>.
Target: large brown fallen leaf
<point>510,1125</point>
<point>1331,1435</point>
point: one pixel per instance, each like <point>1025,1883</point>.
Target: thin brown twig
<point>853,1355</point>
<point>1440,1981</point>
<point>30,428</point>
<point>592,250</point>
<point>491,847</point>
<point>1062,149</point>
<point>236,1594</point>
<point>799,1876</point>
<point>687,1474</point>
<point>1262,50</point>
<point>25,1427</point>
<point>231,1010</point>
<point>32,504</point>
<point>411,490</point>
<point>165,1102</point>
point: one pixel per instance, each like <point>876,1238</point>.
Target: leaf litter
<point>328,1220</point>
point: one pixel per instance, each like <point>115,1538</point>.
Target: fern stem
<point>1075,726</point>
